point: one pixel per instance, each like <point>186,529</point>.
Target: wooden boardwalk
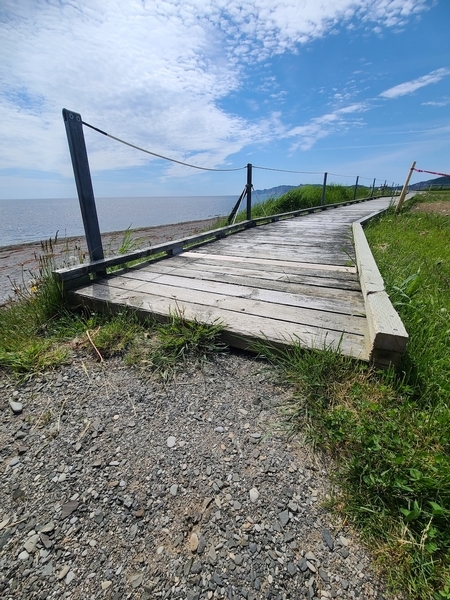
<point>292,280</point>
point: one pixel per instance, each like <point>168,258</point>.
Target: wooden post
<point>80,163</point>
<point>236,206</point>
<point>356,188</point>
<point>249,192</point>
<point>324,187</point>
<point>405,189</point>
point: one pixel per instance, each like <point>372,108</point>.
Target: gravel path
<point>115,485</point>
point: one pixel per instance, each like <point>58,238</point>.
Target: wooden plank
<point>239,304</point>
<point>369,274</point>
<point>267,261</point>
<point>242,326</point>
<point>345,306</point>
<point>277,283</point>
<point>317,258</point>
<point>258,278</point>
<point>289,268</point>
<point>386,332</point>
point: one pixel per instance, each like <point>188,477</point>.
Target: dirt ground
<point>439,208</point>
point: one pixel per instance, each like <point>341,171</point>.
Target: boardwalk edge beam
<point>387,337</point>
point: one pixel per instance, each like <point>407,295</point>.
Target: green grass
<point>27,343</point>
<point>39,332</point>
<point>172,342</point>
<point>390,432</point>
<point>304,197</point>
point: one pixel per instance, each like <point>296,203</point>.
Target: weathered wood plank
<point>241,326</point>
<point>283,311</point>
<point>291,280</point>
<point>386,332</point>
<point>279,263</point>
<point>317,277</point>
<point>271,280</point>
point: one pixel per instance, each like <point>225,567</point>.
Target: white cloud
<point>154,73</point>
<point>411,86</point>
<point>438,103</point>
<point>323,126</point>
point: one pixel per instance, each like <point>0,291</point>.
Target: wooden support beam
<point>80,163</point>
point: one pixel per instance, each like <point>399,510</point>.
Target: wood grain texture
<point>293,280</point>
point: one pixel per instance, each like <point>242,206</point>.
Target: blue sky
<point>351,87</point>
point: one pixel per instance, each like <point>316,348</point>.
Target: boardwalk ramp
<point>309,279</point>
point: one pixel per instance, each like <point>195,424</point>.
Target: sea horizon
<point>30,220</point>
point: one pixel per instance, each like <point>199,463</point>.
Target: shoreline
<point>19,262</point>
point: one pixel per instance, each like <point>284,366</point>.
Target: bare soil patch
<point>439,208</point>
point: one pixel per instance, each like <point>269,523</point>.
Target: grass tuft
<point>173,342</point>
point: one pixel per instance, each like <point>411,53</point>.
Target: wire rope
<point>179,162</point>
<point>185,164</point>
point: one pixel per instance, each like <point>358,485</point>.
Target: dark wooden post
<point>373,187</point>
<point>356,188</point>
<point>78,153</point>
<point>324,187</point>
<point>249,192</point>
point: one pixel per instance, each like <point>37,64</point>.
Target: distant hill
<point>274,192</point>
<point>434,183</point>
<point>279,190</point>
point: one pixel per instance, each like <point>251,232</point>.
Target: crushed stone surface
<point>119,485</point>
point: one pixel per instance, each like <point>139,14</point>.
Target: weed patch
<point>171,343</point>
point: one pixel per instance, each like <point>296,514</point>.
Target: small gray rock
<point>16,407</point>
<point>48,569</point>
<point>30,544</point>
<point>284,517</point>
<point>254,494</point>
<point>326,535</point>
<point>292,569</point>
<point>136,580</point>
<point>70,577</point>
<point>68,509</point>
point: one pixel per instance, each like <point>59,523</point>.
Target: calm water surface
<point>35,220</point>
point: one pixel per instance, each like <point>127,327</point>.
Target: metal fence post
<point>249,192</point>
<point>324,187</point>
<point>356,188</point>
<point>80,163</point>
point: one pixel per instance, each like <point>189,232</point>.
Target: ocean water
<point>35,220</point>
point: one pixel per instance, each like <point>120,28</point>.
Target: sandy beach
<point>19,263</point>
